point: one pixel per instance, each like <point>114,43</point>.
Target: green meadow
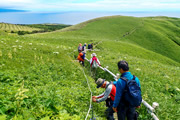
<point>40,78</point>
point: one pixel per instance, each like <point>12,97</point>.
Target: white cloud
<point>114,5</point>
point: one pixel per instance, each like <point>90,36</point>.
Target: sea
<point>71,18</point>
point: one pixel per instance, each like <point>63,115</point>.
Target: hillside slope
<point>159,34</point>
<point>40,79</point>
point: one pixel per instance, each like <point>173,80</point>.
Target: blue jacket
<point>120,86</point>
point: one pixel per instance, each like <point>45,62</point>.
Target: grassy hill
<point>40,79</point>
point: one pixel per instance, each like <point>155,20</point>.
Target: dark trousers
<point>109,110</point>
<point>109,113</point>
<point>82,62</point>
<point>126,111</point>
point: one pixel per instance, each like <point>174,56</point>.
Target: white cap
<point>93,54</point>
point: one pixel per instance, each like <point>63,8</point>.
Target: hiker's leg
<point>121,112</point>
<point>110,112</point>
<point>131,113</point>
<point>83,63</point>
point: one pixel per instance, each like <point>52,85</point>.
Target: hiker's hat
<point>100,82</point>
<point>93,54</point>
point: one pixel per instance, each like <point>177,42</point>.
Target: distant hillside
<point>22,29</point>
<point>158,34</point>
<point>49,27</point>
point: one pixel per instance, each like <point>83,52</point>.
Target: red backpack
<point>94,59</point>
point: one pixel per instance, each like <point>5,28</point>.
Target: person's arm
<point>115,83</point>
<point>98,61</point>
<point>84,49</point>
<point>100,96</point>
<point>90,61</point>
<point>119,90</point>
<point>137,81</point>
<point>106,94</point>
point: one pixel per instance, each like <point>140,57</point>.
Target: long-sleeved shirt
<point>120,86</point>
<point>104,96</point>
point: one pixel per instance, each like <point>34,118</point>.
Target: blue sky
<point>91,5</point>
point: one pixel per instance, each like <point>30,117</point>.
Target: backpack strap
<point>134,77</point>
<point>125,79</point>
<point>108,84</point>
<point>112,88</point>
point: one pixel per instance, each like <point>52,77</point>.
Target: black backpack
<point>89,46</point>
<point>132,92</point>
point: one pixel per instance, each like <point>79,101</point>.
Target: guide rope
<point>90,106</point>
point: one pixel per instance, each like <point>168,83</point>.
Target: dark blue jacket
<point>120,86</point>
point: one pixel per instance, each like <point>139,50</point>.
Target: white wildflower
<point>14,49</point>
<point>14,46</point>
<point>10,55</point>
<point>177,89</point>
<point>166,76</point>
<point>138,69</point>
<point>56,53</point>
<point>30,43</point>
<point>57,47</point>
<point>17,40</point>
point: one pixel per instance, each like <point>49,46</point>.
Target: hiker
<point>81,57</point>
<point>80,47</point>
<point>90,46</point>
<point>84,48</point>
<point>108,96</point>
<point>124,104</point>
<point>94,63</point>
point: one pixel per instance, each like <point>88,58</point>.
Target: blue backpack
<point>132,92</point>
<point>83,56</point>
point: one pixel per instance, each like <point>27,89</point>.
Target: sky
<point>91,5</point>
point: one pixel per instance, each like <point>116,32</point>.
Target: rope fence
<point>90,106</point>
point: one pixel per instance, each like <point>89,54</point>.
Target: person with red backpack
<point>108,96</point>
<point>94,61</point>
